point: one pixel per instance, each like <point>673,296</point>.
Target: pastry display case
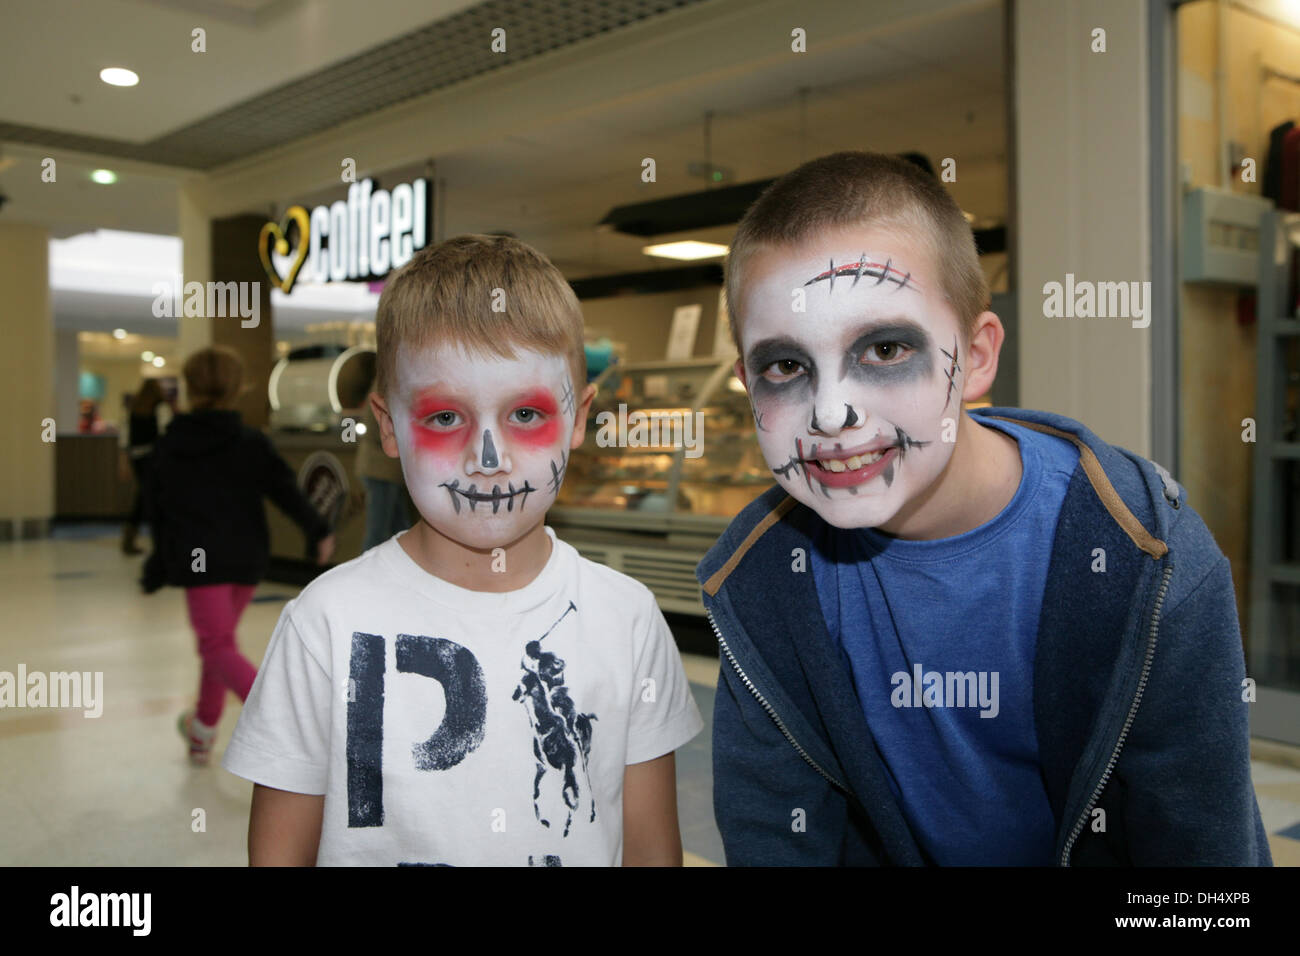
<point>669,458</point>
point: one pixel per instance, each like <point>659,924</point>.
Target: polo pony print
<point>561,735</point>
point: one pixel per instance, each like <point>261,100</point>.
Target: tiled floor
<point>118,790</point>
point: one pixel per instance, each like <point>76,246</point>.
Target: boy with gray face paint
<point>950,638</point>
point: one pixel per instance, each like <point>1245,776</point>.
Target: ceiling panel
<point>201,110</point>
<point>940,92</point>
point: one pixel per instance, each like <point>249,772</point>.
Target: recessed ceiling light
<point>688,249</point>
<point>105,177</point>
<point>146,356</point>
<point>159,361</point>
<point>117,76</point>
<point>119,333</point>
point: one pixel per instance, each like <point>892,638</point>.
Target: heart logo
<point>279,231</point>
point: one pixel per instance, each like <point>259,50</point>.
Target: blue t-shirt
<point>940,638</point>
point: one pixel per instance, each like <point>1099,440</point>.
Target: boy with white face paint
<point>938,627</point>
<point>471,691</point>
<point>484,442</point>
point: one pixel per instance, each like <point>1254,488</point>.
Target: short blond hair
<point>862,189</point>
<point>445,294</point>
<point>213,377</point>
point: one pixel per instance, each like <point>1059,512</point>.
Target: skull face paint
<point>850,395</point>
<point>483,440</point>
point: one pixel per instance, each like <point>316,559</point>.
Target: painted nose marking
<point>489,450</point>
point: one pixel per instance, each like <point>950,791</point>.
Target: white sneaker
<point>198,735</point>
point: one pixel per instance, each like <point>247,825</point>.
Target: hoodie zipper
<point>771,711</point>
<point>1128,721</point>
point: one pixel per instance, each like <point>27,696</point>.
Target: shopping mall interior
<point>146,145</point>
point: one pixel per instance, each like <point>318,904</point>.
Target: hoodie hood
<point>1139,494</point>
<point>200,433</point>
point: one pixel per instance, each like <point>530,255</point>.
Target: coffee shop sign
<point>361,239</point>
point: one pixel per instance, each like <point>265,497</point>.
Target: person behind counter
<point>387,513</point>
<point>143,429</point>
<point>204,504</point>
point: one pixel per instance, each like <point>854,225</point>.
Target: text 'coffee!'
<point>359,239</point>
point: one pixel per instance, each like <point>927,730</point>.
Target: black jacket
<point>209,475</point>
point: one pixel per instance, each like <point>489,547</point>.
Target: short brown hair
<point>445,294</point>
<point>148,397</point>
<point>863,189</point>
<point>213,377</point>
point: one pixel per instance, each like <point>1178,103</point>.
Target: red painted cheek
<point>443,444</point>
<point>541,400</point>
<point>772,411</point>
<point>538,436</point>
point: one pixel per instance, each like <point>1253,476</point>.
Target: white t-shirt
<point>449,726</point>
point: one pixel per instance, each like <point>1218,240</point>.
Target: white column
<point>1082,208</point>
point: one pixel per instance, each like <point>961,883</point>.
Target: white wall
<point>67,377</point>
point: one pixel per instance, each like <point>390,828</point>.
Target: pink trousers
<point>215,610</point>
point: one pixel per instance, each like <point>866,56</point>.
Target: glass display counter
<point>670,457</point>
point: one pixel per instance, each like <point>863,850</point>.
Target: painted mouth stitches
<point>836,461</point>
<point>851,463</point>
<point>496,496</point>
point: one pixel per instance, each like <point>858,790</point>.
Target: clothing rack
<point>1274,636</point>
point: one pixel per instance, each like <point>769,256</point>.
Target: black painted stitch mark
<point>568,398</point>
<point>798,450</point>
<point>557,474</point>
<point>906,441</point>
<point>798,447</point>
<point>903,441</point>
<point>784,470</point>
<point>861,268</point>
<point>884,272</point>
<point>758,419</point>
<point>951,373</point>
<point>474,496</point>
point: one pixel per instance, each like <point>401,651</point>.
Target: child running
<point>209,528</point>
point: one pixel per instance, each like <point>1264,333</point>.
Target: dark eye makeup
<point>888,353</point>
<point>911,359</point>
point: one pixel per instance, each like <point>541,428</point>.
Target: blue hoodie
<point>1137,687</point>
